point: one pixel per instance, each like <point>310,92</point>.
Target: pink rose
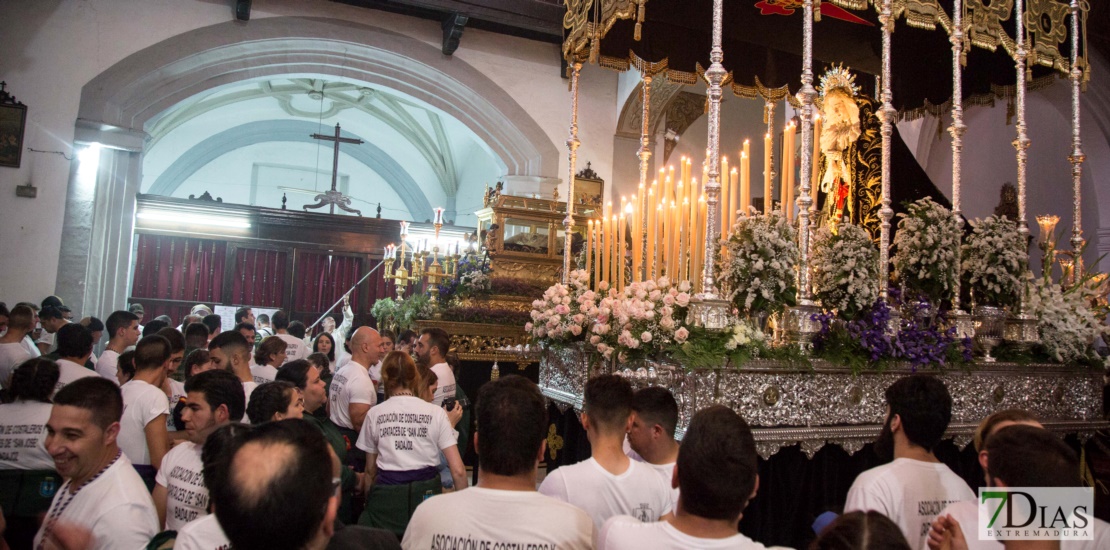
<point>683,299</point>
<point>646,337</point>
<point>594,340</point>
<point>681,335</point>
<point>575,330</point>
<point>668,299</point>
<point>528,327</point>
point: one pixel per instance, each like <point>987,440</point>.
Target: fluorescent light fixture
<point>88,162</point>
<point>166,216</point>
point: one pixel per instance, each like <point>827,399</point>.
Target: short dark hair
<point>119,320</point>
<point>151,352</point>
<point>220,387</point>
<point>214,453</point>
<point>923,403</point>
<point>386,333</point>
<point>242,313</point>
<point>174,337</point>
<point>231,342</point>
<point>296,329</point>
<point>608,402</point>
<point>34,380</point>
<point>280,320</point>
<point>295,372</point>
<point>1027,456</point>
<point>21,317</point>
<point>657,405</point>
<point>512,423</point>
<point>262,318</point>
<point>196,357</point>
<point>244,326</point>
<point>126,363</point>
<point>153,327</point>
<point>407,336</point>
<point>438,338</point>
<point>93,324</point>
<point>50,312</point>
<point>861,531</point>
<point>285,508</point>
<point>74,340</point>
<point>196,335</point>
<point>97,395</point>
<point>269,399</point>
<point>717,464</point>
<point>316,345</point>
<point>320,361</point>
<point>213,322</point>
<point>51,301</point>
<point>270,345</point>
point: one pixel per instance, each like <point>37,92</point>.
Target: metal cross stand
<point>333,197</point>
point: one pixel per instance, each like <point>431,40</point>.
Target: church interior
<point>781,208</point>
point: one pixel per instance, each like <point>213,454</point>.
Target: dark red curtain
<point>258,277</point>
<point>179,268</point>
<point>321,279</point>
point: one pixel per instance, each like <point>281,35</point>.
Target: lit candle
<point>814,182</point>
<point>692,228</point>
<point>672,240</point>
<point>730,206</point>
<point>683,239</point>
<point>649,261</point>
<point>745,180</point>
<point>615,258</point>
<point>622,233</point>
<point>767,199</point>
<point>699,250</point>
<point>726,188</point>
<point>660,214</point>
<point>633,217</point>
<point>439,215</point>
<point>787,190</point>
<point>589,244</point>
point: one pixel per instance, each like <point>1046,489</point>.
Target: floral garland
<point>925,258</point>
<point>1066,323</point>
<point>845,270</point>
<point>564,313</point>
<point>762,254</point>
<point>995,261</point>
<point>642,321</point>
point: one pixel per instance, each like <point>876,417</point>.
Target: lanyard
<point>67,498</point>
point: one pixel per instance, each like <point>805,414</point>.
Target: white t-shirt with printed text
<point>68,371</point>
<point>294,347</point>
<point>116,507</point>
<point>182,475</point>
<point>446,383</point>
<point>909,492</point>
<point>177,393</point>
<point>108,365</point>
<point>263,373</point>
<point>457,519</point>
<point>638,491</point>
<point>142,403</point>
<point>407,433</point>
<point>11,356</point>
<point>351,384</point>
<point>628,533</point>
<point>202,534</point>
<point>23,436</point>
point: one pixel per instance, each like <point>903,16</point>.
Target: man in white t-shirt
<point>143,435</point>
<point>1023,456</point>
<point>431,351</point>
<point>295,348</point>
<point>651,434</point>
<point>512,418</point>
<point>718,472</point>
<point>75,345</point>
<point>230,351</point>
<point>213,398</point>
<point>609,483</point>
<point>352,392</point>
<point>123,332</point>
<point>102,497</point>
<point>21,321</point>
<point>915,487</point>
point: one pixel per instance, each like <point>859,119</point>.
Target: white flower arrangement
<point>643,320</point>
<point>475,282</point>
<point>759,264</point>
<point>565,312</point>
<point>745,334</point>
<point>925,251</point>
<point>995,261</point>
<point>845,269</point>
<point>1066,323</point>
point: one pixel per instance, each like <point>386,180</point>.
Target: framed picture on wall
<point>13,119</point>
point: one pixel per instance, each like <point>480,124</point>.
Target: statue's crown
<point>838,78</point>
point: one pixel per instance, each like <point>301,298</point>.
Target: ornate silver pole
<point>962,320</point>
<point>886,116</point>
<point>769,114</point>
<point>645,158</point>
<point>708,309</point>
<point>1022,141</point>
<point>1076,157</point>
<point>572,154</point>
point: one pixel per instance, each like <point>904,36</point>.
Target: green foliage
<point>400,316</point>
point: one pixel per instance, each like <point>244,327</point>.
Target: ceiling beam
<point>533,19</point>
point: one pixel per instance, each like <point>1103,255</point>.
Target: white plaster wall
<point>54,47</point>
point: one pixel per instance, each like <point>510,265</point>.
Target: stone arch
<point>297,131</point>
<point>151,80</point>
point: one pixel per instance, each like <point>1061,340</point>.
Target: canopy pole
<point>1076,157</point>
<point>886,116</point>
<point>572,154</point>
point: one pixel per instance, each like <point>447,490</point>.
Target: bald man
<point>352,391</point>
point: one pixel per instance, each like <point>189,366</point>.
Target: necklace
<point>400,393</point>
<point>66,499</point>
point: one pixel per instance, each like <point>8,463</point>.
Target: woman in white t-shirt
<point>403,438</point>
<point>274,401</point>
<point>267,358</point>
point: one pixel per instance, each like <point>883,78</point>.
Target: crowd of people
<point>196,438</point>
